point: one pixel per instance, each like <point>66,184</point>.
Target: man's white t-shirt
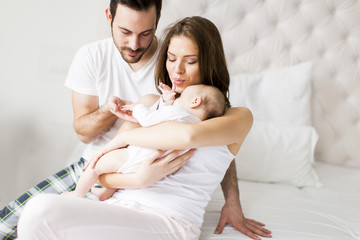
<point>98,69</point>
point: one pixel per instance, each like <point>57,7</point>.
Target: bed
<point>296,65</point>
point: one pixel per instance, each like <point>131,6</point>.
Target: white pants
<point>51,217</point>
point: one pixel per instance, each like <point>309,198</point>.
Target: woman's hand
<point>152,170</point>
<point>115,143</point>
<point>94,159</point>
<point>156,167</point>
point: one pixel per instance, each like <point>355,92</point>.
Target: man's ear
<point>108,16</point>
<point>196,102</point>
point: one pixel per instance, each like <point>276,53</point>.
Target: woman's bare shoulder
<point>242,125</point>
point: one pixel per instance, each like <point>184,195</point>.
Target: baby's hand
<point>114,104</point>
<point>128,108</point>
<point>123,111</point>
<point>168,94</point>
<point>128,111</point>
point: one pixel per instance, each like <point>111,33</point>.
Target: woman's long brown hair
<point>212,63</point>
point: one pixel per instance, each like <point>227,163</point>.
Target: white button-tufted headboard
<point>259,34</point>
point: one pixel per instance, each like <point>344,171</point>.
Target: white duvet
<point>326,213</point>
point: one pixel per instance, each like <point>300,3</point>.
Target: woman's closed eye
<point>191,62</point>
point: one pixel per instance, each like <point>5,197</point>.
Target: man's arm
<point>90,120</point>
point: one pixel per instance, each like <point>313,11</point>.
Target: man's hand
<point>232,214</point>
<point>116,107</point>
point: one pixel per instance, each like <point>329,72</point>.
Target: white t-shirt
<point>99,70</point>
<point>185,193</point>
<point>149,117</point>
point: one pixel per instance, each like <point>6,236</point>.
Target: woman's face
<point>182,63</point>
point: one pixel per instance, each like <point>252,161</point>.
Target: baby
<point>196,103</point>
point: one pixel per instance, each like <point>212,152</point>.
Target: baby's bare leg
<point>121,157</point>
<point>108,163</point>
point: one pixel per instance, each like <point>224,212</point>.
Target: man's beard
<point>129,59</point>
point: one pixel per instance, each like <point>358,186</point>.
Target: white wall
<point>38,40</point>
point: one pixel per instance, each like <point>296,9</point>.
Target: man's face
<point>133,32</point>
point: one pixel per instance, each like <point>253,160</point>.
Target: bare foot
<point>102,193</point>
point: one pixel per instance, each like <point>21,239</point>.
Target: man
<point>99,72</point>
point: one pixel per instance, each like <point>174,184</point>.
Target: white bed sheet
<point>329,212</point>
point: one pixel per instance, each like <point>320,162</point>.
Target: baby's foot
<point>101,193</point>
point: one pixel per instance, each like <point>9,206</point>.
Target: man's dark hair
<point>138,5</point>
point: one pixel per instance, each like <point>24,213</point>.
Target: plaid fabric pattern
<point>64,180</point>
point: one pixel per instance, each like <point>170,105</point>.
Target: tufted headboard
<point>261,34</point>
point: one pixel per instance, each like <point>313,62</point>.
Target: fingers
<point>161,87</point>
<point>252,227</point>
<point>126,108</point>
<point>258,228</point>
<point>153,157</point>
<point>165,88</point>
<point>92,164</point>
<point>86,165</point>
<point>255,222</point>
<point>220,227</point>
<point>175,163</point>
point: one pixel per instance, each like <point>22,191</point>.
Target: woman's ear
<point>108,16</point>
<point>196,102</point>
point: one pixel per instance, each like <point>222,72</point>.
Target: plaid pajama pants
<point>64,180</point>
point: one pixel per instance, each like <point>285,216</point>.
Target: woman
<point>172,208</point>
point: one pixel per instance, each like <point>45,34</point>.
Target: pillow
<point>282,96</point>
<point>280,146</point>
<point>274,153</point>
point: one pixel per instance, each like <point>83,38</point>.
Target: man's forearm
<point>93,125</point>
<point>229,184</point>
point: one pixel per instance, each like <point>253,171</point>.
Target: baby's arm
<point>147,118</point>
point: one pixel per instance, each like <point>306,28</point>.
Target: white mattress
<point>329,212</point>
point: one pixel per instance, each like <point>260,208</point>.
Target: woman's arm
<point>152,169</point>
<point>229,129</point>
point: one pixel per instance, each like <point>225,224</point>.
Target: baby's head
<point>203,101</point>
